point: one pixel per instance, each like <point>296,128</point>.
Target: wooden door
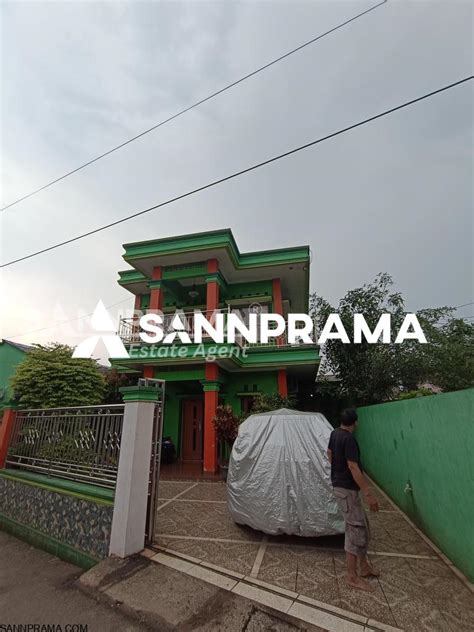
<point>192,430</point>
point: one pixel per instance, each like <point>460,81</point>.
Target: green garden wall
<point>427,442</point>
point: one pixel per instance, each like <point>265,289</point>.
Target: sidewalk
<point>133,595</point>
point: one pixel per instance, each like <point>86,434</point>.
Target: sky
<point>80,77</point>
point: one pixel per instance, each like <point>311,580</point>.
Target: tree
<point>372,373</point>
<point>450,358</point>
<point>114,381</point>
<point>50,378</point>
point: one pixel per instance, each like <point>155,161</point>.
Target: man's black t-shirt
<point>344,447</point>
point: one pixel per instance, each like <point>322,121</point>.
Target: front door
<point>192,429</point>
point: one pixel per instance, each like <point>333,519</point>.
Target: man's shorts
<point>355,520</point>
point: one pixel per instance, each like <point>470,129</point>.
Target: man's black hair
<point>348,417</point>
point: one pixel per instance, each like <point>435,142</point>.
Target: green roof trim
<point>257,357</point>
<point>214,240</point>
<point>131,276</point>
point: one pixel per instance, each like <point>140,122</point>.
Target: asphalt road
<point>36,587</point>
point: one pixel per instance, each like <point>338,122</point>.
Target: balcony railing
<point>129,330</point>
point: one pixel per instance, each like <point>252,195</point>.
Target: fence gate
<point>155,460</point>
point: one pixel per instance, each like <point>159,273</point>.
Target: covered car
<point>279,478</point>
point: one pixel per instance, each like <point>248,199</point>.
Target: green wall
<point>10,358</point>
<point>427,442</point>
<point>264,381</point>
<point>186,383</point>
<point>172,414</point>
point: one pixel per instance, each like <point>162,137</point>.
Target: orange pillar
<point>148,371</point>
<point>277,304</point>
<point>282,383</point>
<point>6,429</point>
<point>277,299</point>
<point>211,396</point>
<point>156,294</point>
<point>212,295</point>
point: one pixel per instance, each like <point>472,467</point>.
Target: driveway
<point>417,589</point>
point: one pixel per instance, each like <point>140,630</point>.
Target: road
<point>36,587</point>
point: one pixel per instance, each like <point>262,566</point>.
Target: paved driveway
<point>417,590</point>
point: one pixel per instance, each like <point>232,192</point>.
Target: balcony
<point>129,330</point>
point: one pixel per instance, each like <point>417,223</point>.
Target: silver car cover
<point>279,475</point>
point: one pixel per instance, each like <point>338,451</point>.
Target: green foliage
<point>66,449</point>
<point>372,373</point>
<point>420,392</point>
<point>265,402</point>
<point>49,378</point>
<point>449,359</point>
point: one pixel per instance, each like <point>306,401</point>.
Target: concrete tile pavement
<point>417,589</point>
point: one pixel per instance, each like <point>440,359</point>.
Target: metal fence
<point>78,443</point>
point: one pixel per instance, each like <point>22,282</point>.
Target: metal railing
<point>129,329</point>
<point>77,443</point>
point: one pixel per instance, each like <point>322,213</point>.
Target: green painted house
<point>11,355</point>
<point>207,271</point>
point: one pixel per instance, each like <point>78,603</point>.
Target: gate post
<point>131,493</point>
<point>6,428</point>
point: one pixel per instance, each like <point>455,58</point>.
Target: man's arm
<point>361,481</point>
<point>330,455</point>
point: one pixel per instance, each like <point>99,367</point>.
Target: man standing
<point>347,480</point>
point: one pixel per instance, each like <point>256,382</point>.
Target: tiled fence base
<point>65,520</point>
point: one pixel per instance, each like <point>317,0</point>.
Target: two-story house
<point>206,271</point>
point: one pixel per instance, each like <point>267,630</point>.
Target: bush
<point>226,424</point>
<point>421,392</point>
<point>50,378</point>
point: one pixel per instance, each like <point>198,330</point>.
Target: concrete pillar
<point>131,493</point>
<point>6,429</point>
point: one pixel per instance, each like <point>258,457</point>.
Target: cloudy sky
<point>394,196</point>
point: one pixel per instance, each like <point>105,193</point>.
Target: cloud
<point>392,196</point>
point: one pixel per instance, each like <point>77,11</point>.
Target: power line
<point>465,305</point>
<point>63,322</point>
<point>239,173</point>
<point>194,105</point>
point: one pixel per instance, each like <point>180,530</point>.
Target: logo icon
<point>103,323</point>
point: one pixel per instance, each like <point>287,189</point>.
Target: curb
<point>287,602</point>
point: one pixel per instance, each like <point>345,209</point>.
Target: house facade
<point>207,272</point>
<point>11,355</point>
